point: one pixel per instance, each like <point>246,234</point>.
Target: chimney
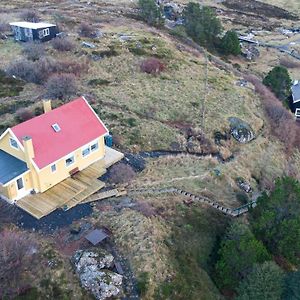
<point>47,105</point>
<point>29,151</point>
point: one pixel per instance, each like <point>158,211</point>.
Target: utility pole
<point>202,113</point>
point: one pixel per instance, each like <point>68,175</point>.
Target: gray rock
<point>103,284</point>
<point>88,45</point>
<point>243,185</point>
<point>91,265</point>
<point>240,130</point>
<point>96,256</point>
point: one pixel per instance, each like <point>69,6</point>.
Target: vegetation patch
<point>191,245</point>
<point>98,82</point>
<point>9,86</point>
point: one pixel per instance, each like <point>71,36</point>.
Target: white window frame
<point>97,146</point>
<point>56,127</point>
<point>28,32</point>
<point>68,157</point>
<point>46,32</point>
<point>16,146</point>
<point>87,148</point>
<point>55,168</point>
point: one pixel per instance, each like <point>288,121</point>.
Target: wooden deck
<point>72,191</point>
<point>65,194</point>
<point>111,156</point>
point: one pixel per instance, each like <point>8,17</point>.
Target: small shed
<point>296,98</point>
<point>96,236</point>
<point>28,31</point>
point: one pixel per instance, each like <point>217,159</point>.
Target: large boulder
<point>103,284</point>
<point>93,257</point>
<point>91,265</point>
<point>240,130</point>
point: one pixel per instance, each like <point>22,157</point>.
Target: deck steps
<point>71,191</point>
<point>104,195</point>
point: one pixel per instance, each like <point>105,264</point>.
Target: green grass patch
<point>98,82</point>
<point>193,244</point>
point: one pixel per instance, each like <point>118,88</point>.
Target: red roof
<point>78,123</point>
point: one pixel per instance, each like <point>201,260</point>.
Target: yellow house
<point>42,152</point>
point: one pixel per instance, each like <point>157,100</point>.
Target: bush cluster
<point>152,66</point>
<point>63,44</point>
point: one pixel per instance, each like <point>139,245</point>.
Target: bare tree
<point>152,66</point>
<point>33,50</point>
<point>23,114</point>
<point>17,254</point>
<point>121,173</point>
<point>8,212</point>
<point>61,86</point>
<point>30,16</point>
<point>86,30</point>
<point>63,44</point>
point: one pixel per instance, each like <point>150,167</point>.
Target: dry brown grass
<point>141,239</point>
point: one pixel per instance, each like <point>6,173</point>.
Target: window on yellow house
<point>70,160</point>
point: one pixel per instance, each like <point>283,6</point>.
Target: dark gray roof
<point>296,92</point>
<point>96,236</point>
<point>10,167</point>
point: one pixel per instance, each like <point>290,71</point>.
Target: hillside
<point>180,111</point>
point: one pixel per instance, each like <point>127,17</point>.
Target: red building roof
<point>78,126</point>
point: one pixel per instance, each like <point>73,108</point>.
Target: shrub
<point>121,173</point>
<point>63,44</point>
<point>86,30</point>
<point>23,69</point>
<point>279,81</point>
<point>9,86</point>
<point>33,50</point>
<point>71,66</point>
<point>61,86</point>
<point>239,251</point>
<point>98,81</point>
<point>8,213</point>
<point>152,66</point>
<point>230,43</point>
<point>39,71</point>
<point>242,197</point>
<point>288,63</point>
<point>282,122</point>
<point>264,282</point>
<point>276,219</point>
<point>24,114</point>
<point>202,24</point>
<point>16,256</point>
<point>292,286</point>
<point>145,209</point>
<point>151,12</point>
<point>143,283</point>
<point>30,16</point>
<point>4,27</point>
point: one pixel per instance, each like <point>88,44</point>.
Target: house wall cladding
<point>45,178</point>
<point>28,34</point>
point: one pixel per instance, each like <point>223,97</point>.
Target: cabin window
<point>46,32</point>
<point>28,32</point>
<point>70,160</point>
<point>53,168</point>
<point>86,151</point>
<point>94,147</point>
<point>13,143</point>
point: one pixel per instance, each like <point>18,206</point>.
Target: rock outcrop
<point>92,267</point>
